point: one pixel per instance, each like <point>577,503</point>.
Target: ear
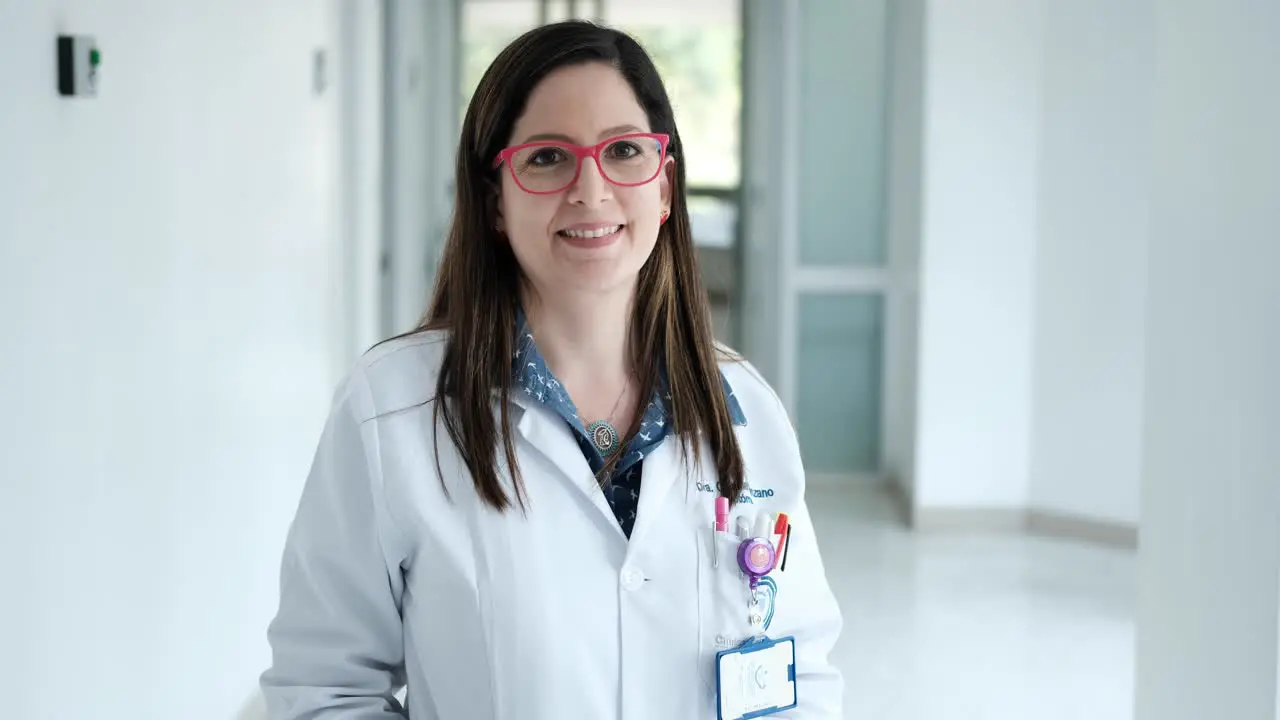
<point>666,183</point>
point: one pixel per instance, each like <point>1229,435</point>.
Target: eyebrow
<point>560,137</point>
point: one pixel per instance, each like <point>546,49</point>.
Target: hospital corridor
<point>1002,273</point>
<point>991,625</point>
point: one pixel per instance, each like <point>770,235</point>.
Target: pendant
<point>604,436</point>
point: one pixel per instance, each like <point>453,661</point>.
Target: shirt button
<point>632,579</point>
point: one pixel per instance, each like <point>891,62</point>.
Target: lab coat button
<point>632,579</point>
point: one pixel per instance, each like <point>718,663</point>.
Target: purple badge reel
<point>756,557</point>
<point>757,678</point>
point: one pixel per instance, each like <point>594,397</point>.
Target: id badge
<point>756,679</point>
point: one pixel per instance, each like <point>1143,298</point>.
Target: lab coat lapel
<point>548,435</point>
<point>662,469</point>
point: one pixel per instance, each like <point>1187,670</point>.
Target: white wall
<point>904,181</point>
<point>1091,265</point>
<point>764,215</point>
<point>1210,554</point>
<point>171,338</point>
<point>981,137</point>
<point>1034,231</point>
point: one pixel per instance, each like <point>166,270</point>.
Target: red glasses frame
<point>580,153</point>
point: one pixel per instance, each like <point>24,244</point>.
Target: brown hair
<point>477,291</point>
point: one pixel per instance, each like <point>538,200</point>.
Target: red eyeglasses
<point>546,168</point>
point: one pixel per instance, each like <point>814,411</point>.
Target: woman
<point>511,509</point>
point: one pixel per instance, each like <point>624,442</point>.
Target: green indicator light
<point>95,57</point>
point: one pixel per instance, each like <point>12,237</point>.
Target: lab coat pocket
<point>724,599</point>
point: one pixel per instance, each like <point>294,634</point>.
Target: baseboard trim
<point>901,491</point>
<point>1073,527</point>
<point>970,519</point>
<point>1038,522</point>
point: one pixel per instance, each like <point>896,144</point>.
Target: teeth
<point>597,233</point>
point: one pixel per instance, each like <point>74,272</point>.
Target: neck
<point>583,339</point>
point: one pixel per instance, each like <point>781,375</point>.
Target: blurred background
<point>1010,265</point>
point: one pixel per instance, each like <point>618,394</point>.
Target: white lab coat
<point>554,614</point>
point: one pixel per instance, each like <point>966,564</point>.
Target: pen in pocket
<point>786,550</point>
<point>780,525</point>
<point>715,546</point>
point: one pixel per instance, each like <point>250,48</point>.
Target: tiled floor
<point>974,627</point>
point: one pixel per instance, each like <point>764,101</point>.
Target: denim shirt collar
<point>533,374</point>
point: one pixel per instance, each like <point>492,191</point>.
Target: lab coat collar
<point>548,435</point>
<point>545,429</point>
<point>662,471</point>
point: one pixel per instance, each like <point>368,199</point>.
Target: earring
<point>663,219</point>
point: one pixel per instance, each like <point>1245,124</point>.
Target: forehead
<point>582,103</point>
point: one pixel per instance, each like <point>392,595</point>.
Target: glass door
<point>816,251</point>
<point>839,278</point>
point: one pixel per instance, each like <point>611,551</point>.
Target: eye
<point>624,150</point>
<point>545,157</point>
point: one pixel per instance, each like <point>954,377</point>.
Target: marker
<point>742,527</point>
<point>764,523</point>
<point>780,527</point>
<point>722,514</point>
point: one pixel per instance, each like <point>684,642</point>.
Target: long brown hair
<point>477,291</point>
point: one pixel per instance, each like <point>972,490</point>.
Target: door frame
<point>773,274</point>
<point>418,137</point>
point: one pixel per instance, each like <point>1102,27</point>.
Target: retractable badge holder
<point>756,558</point>
<point>757,678</point>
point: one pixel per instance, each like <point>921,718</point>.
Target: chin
<point>597,281</point>
<point>605,273</point>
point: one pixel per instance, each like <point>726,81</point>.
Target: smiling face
<point>594,236</point>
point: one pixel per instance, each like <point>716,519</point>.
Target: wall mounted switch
<point>79,62</point>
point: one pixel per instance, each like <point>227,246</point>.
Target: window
<point>487,27</point>
<point>697,46</point>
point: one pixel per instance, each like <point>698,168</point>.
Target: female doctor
<point>512,510</point>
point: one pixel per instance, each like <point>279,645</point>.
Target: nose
<point>591,187</point>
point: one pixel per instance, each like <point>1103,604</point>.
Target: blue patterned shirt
<point>623,488</point>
